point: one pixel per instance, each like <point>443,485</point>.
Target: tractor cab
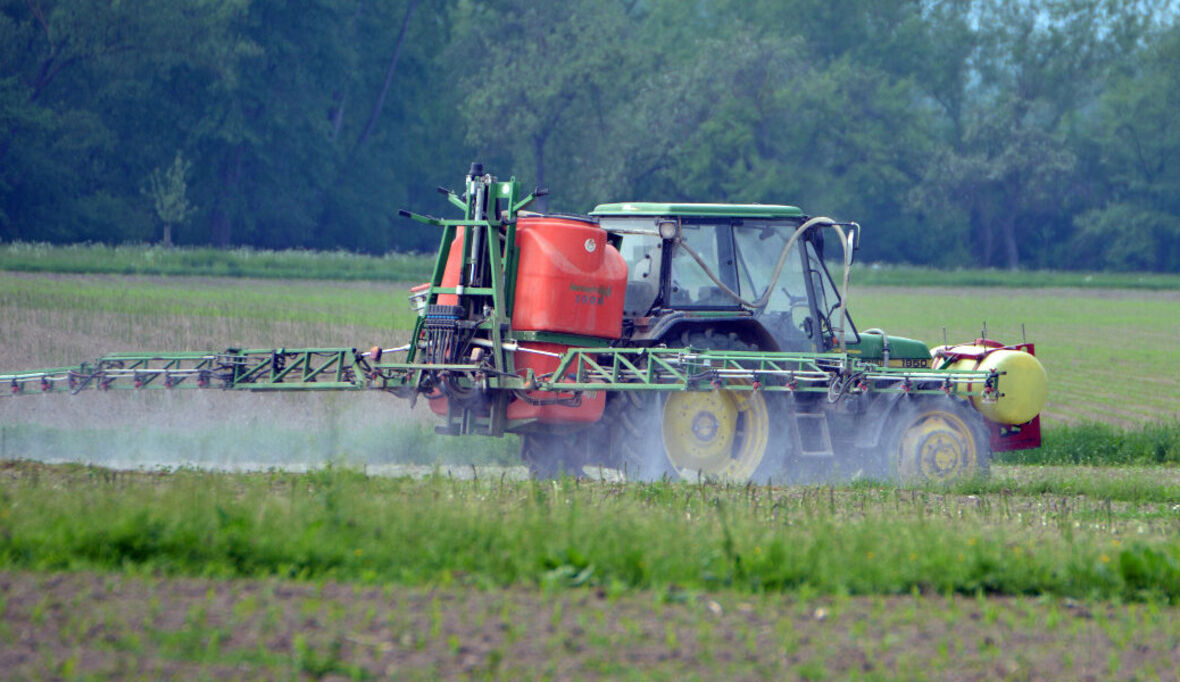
<point>753,269</point>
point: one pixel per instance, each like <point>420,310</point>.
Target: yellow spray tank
<point>1023,384</point>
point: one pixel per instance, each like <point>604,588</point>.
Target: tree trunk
<point>220,224</point>
<point>1008,233</point>
<point>167,235</point>
<point>983,235</point>
<point>397,49</point>
<point>1010,247</point>
<point>219,228</point>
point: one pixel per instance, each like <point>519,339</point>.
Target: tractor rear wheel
<point>721,434</point>
<point>553,454</point>
<point>937,440</point>
<point>633,418</point>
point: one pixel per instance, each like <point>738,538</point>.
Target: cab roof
<point>641,208</point>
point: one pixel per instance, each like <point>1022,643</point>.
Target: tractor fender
<point>878,415</point>
<point>884,411</point>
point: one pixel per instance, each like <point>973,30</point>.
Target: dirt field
<point>84,624</point>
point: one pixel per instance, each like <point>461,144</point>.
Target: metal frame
<point>578,370</point>
<point>254,370</point>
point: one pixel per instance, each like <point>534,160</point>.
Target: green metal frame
<point>254,370</point>
<point>679,369</point>
<point>481,195</point>
<point>579,370</point>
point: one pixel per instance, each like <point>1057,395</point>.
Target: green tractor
<point>660,340</point>
<point>742,293</point>
<point>753,278</point>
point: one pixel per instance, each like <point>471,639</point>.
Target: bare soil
<point>68,625</point>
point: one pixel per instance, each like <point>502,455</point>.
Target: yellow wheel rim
<point>720,434</point>
<point>938,447</point>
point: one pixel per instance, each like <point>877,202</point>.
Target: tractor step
<point>813,435</point>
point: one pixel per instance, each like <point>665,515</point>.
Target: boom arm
<point>254,369</point>
<point>580,369</point>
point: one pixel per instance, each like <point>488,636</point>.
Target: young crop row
<point>343,525</point>
<point>89,625</point>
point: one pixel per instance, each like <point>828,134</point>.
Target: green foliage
<point>1132,143</point>
<point>167,189</point>
<point>241,262</point>
<point>991,134</point>
<point>340,524</point>
<point>1097,444</point>
<point>1126,236</point>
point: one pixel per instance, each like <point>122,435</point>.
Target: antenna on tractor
<point>1023,338</point>
<point>983,334</point>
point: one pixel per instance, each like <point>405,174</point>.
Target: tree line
<point>998,133</point>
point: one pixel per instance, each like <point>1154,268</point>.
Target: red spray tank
<point>569,280</point>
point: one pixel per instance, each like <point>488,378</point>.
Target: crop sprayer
<point>678,340</point>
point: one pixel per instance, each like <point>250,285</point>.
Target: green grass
<point>1151,490</point>
<point>1109,354</point>
<point>51,320</point>
<point>1042,525</point>
<point>108,626</point>
<point>342,525</point>
<point>879,274</point>
<point>1097,444</point>
<point>381,305</point>
<point>140,259</point>
<point>144,259</point>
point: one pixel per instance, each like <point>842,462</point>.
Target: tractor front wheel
<point>937,440</point>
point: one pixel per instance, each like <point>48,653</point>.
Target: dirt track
<point>66,625</point>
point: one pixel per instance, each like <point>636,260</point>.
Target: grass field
<point>1118,542</point>
<point>53,319</point>
<point>503,579</point>
<point>1109,353</point>
<point>1040,572</point>
<point>140,259</point>
<point>143,259</point>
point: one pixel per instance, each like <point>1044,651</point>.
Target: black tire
<point>639,420</point>
<point>634,421</point>
<point>936,440</point>
<point>553,454</point>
